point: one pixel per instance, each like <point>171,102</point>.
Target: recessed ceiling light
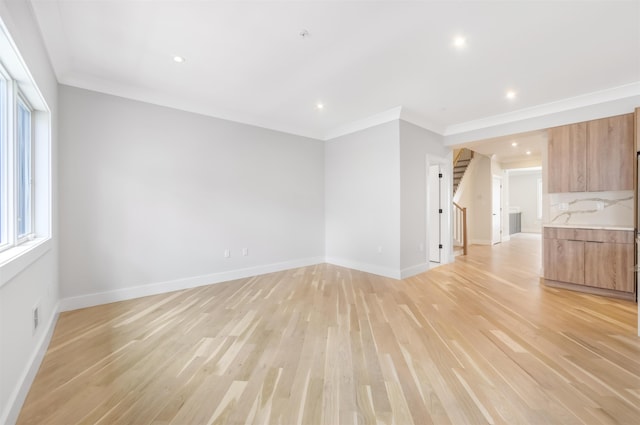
<point>178,59</point>
<point>528,152</point>
<point>319,106</point>
<point>511,94</point>
<point>514,144</point>
<point>459,41</point>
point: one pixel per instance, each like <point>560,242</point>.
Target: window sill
<point>15,260</point>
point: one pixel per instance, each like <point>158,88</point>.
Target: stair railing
<point>460,227</point>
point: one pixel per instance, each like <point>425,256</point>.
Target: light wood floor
<point>479,341</point>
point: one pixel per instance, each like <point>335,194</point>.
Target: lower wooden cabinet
<point>564,260</point>
<point>609,265</point>
<point>589,258</point>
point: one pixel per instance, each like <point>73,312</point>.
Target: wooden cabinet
<point>602,260</point>
<point>609,265</point>
<point>592,156</point>
<point>637,129</point>
<point>564,260</point>
<point>610,154</point>
<point>567,148</point>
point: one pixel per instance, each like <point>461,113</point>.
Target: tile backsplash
<point>595,208</point>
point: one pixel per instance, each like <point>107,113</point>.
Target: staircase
<point>461,159</point>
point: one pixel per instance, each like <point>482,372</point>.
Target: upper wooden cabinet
<point>592,156</point>
<point>610,153</point>
<point>567,147</point>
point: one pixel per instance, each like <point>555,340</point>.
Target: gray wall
<point>152,195</point>
<point>32,278</point>
<point>363,200</point>
<point>416,146</point>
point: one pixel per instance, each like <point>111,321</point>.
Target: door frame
<point>446,197</point>
<point>499,179</point>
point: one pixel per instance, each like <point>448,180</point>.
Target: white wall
<point>475,194</point>
<point>523,193</point>
<point>362,183</point>
<point>418,145</point>
<point>33,278</point>
<point>151,197</point>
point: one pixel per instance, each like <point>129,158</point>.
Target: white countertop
<point>592,226</point>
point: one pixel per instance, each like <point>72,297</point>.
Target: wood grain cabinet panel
<point>610,154</point>
<point>597,258</point>
<point>609,266</point>
<point>564,260</point>
<point>592,156</point>
<point>567,158</point>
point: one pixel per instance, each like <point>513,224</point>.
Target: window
<point>24,143</point>
<point>3,160</point>
<point>16,164</point>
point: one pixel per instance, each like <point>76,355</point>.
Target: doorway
<point>496,210</point>
<point>435,217</point>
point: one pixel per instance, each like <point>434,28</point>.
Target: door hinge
<point>440,246</point>
<point>439,175</point>
<point>440,210</point>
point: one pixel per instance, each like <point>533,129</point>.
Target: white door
<point>435,213</point>
<point>496,211</point>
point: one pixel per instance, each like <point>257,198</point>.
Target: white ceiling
<point>246,62</point>
<point>505,152</point>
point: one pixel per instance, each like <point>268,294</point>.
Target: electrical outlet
<point>36,317</point>
<point>245,252</point>
<point>421,247</point>
<point>227,253</point>
<point>563,206</point>
<point>599,205</point>
<point>380,249</point>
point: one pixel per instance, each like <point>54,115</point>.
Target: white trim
<point>417,269</point>
<point>14,260</point>
<point>365,123</point>
<point>479,242</point>
<point>90,300</point>
<point>17,397</point>
<point>422,122</point>
<point>589,99</point>
<point>537,230</point>
<point>364,267</point>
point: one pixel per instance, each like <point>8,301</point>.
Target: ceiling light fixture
<point>514,144</point>
<point>528,152</point>
<point>178,59</point>
<point>319,106</point>
<point>511,94</point>
<point>459,41</point>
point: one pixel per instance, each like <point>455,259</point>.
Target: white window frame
<point>5,164</point>
<point>9,165</point>
<point>29,235</point>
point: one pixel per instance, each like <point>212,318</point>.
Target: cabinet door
<point>567,158</point>
<point>609,265</point>
<point>564,260</point>
<point>610,153</point>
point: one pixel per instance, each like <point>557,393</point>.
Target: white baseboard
<point>414,270</point>
<point>479,242</point>
<point>531,230</point>
<point>90,300</point>
<point>364,267</point>
<point>17,397</point>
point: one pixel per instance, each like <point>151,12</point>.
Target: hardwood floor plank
<point>479,341</point>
